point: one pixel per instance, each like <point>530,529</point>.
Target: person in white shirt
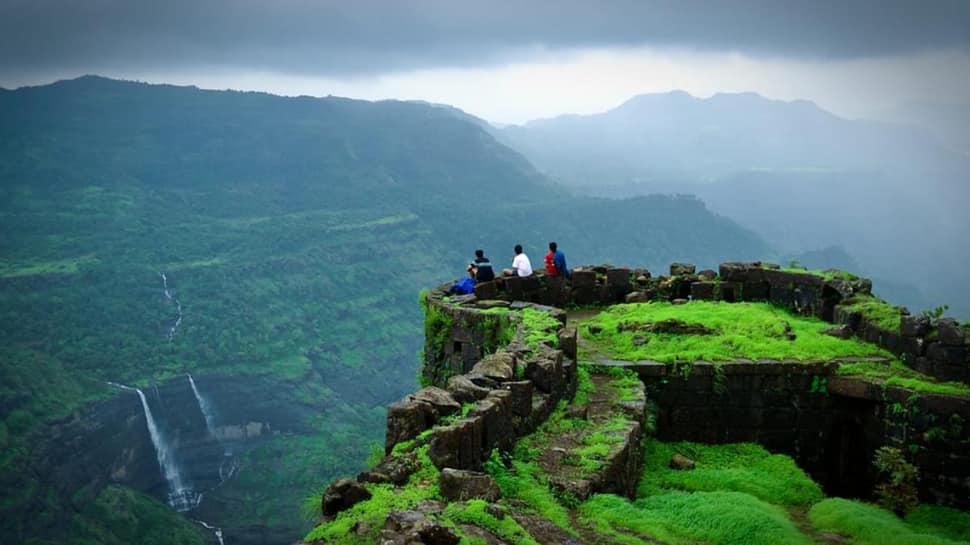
<point>521,266</point>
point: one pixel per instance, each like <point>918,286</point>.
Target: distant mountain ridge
<point>799,176</point>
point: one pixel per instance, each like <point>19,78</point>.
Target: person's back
<point>483,267</point>
<point>521,264</point>
<point>558,260</point>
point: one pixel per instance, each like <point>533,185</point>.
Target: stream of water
<point>180,494</point>
<point>178,307</point>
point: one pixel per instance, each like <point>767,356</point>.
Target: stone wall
<point>940,349</point>
<point>484,387</point>
<point>831,425</point>
<point>477,363</point>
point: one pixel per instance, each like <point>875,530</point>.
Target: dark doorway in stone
<point>848,458</point>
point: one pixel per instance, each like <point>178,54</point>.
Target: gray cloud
<point>340,38</point>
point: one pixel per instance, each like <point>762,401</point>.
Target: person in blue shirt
<point>556,261</point>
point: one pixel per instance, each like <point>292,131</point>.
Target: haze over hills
<point>802,178</point>
<point>273,248</point>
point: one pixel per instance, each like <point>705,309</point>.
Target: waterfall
<point>216,531</point>
<point>178,307</point>
<point>180,495</point>
<point>204,407</point>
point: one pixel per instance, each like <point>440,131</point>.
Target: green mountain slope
<point>293,233</point>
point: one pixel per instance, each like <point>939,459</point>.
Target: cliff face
<point>512,428</point>
<point>109,443</point>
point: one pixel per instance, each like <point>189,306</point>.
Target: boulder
<point>841,286</point>
<point>680,462</point>
<point>637,297</point>
<point>707,275</point>
<point>406,419</point>
<point>679,301</point>
<point>914,326</point>
<point>464,390</point>
<point>951,334</point>
<point>841,331</point>
<point>678,269</point>
<point>440,399</point>
<point>460,485</point>
<point>498,366</point>
<point>342,495</point>
<point>414,527</point>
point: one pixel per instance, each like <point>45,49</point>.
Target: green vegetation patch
<point>896,374</point>
<point>736,330</point>
<point>473,512</point>
<point>682,518</point>
<point>738,467</point>
<point>875,311</point>
<point>867,524</point>
<point>540,328</point>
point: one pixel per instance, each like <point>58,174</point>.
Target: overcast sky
<point>507,61</point>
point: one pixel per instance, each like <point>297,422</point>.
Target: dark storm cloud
<point>366,36</point>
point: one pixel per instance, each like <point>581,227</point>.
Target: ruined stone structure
<point>830,424</point>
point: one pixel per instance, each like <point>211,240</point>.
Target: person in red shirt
<point>551,268</point>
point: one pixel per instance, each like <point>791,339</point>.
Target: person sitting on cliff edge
<point>521,266</point>
<point>556,262</point>
<point>482,267</point>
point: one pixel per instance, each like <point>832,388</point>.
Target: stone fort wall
<point>830,424</point>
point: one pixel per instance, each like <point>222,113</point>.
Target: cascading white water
<point>204,407</point>
<point>180,495</point>
<point>178,307</point>
<point>216,531</point>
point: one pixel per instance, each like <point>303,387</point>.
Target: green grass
<point>473,512</point>
<point>875,311</point>
<point>686,518</point>
<point>738,467</point>
<point>897,374</point>
<point>867,524</point>
<point>540,327</point>
<point>827,274</point>
<point>742,330</point>
<point>422,485</point>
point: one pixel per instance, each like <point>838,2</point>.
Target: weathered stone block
<point>440,399</point>
<point>914,326</point>
<point>702,291</point>
<point>498,366</point>
<point>567,342</point>
<point>406,419</point>
<point>458,446</point>
<point>464,390</point>
<point>546,373</point>
<point>678,269</point>
<point>495,412</point>
<point>342,495</point>
<point>637,297</point>
<point>486,290</point>
<point>461,485</point>
<point>951,333</point>
<point>754,290</point>
<point>734,271</point>
<point>521,397</point>
<point>583,279</point>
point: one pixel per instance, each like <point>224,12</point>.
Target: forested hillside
<point>150,231</point>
